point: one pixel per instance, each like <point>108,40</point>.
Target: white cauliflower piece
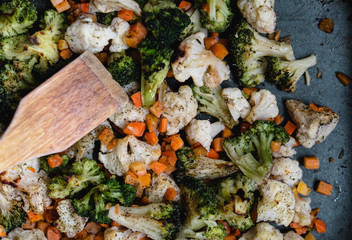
<point>291,235</point>
<point>69,221</point>
<point>181,108</point>
<point>312,126</point>
<point>128,150</point>
<point>262,231</point>
<point>115,233</point>
<point>302,211</point>
<point>128,114</point>
<point>21,234</point>
<point>107,6</point>
<point>260,14</point>
<point>200,64</point>
<point>238,105</point>
<point>121,27</point>
<point>286,150</point>
<point>264,106</point>
<point>287,171</point>
<point>203,132</point>
<point>159,185</point>
<point>277,204</point>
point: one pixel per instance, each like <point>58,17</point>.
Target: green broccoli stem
<point>215,5</point>
<point>298,67</point>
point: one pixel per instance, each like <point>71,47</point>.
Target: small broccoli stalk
<point>79,176</point>
<point>211,102</point>
<point>216,15</point>
<point>123,68</point>
<point>285,74</point>
<point>165,21</point>
<point>45,165</point>
<point>11,213</point>
<point>16,17</point>
<point>105,18</point>
<point>201,167</point>
<point>256,140</point>
<point>236,195</point>
<point>155,66</point>
<point>156,220</point>
<point>248,49</point>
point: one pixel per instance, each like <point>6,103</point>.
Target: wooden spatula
<point>61,111</point>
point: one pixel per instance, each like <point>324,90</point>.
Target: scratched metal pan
<point>300,18</point>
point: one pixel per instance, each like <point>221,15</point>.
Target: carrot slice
<point>138,168</point>
<point>275,146</point>
<point>319,226</point>
<point>171,157</point>
<point>206,8</point>
<point>63,44</point>
<point>151,138</point>
<point>176,143</point>
<point>311,162</point>
<point>278,119</point>
<point>290,127</point>
<point>131,178</point>
<point>185,6</point>
<point>324,188</point>
<point>137,99</point>
<point>56,2</point>
<point>112,144</point>
<point>200,151</point>
<point>135,35</point>
<point>217,144</point>
<point>219,51</point>
<point>158,167</point>
<point>53,233</point>
<point>213,154</point>
<point>144,180</point>
<point>55,161</point>
<point>169,170</point>
<point>303,189</point>
<point>114,224</point>
<point>209,42</point>
<point>163,125</point>
<point>106,136</point>
<point>63,6</point>
<point>81,235</point>
<point>152,122</point>
<point>249,91</point>
<point>35,217</point>
<point>66,54</point>
<point>227,133</point>
<point>157,109</point>
<point>126,15</point>
<point>170,194</point>
<point>301,231</point>
<point>43,226</point>
<point>84,7</point>
<point>135,128</point>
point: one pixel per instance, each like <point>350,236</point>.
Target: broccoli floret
<point>123,68</point>
<point>155,66</point>
<point>248,49</point>
<point>201,167</point>
<point>255,141</point>
<point>79,176</point>
<point>11,213</point>
<point>211,102</point>
<point>236,196</point>
<point>105,18</point>
<point>15,48</point>
<point>16,17</point>
<point>156,220</point>
<point>44,164</point>
<point>285,74</point>
<point>217,17</point>
<point>141,3</point>
<point>202,229</point>
<point>165,21</point>
<point>93,204</point>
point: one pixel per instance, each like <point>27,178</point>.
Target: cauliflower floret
<point>115,233</point>
<point>286,150</point>
<point>302,211</point>
<point>200,64</point>
<point>128,150</point>
<point>264,106</point>
<point>128,114</point>
<point>85,35</point>
<point>69,222</point>
<point>239,106</point>
<point>181,108</point>
<point>312,126</point>
<point>277,204</point>
<point>107,6</point>
<point>203,132</point>
<point>291,235</point>
<point>287,171</point>
<point>260,14</point>
<point>262,231</point>
<point>21,234</point>
<point>159,185</point>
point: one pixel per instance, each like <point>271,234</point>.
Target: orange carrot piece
<point>206,8</point>
<point>135,35</point>
<point>63,44</point>
<point>138,168</point>
<point>324,188</point>
<point>162,125</point>
<point>157,109</point>
<point>249,91</point>
<point>169,170</point>
<point>145,200</point>
<point>219,51</point>
<point>102,57</point>
<point>290,127</point>
<point>231,237</point>
<point>311,162</point>
<point>106,136</point>
<point>217,144</point>
<point>295,225</point>
<point>227,133</point>
<point>213,154</point>
<point>63,6</point>
<point>176,143</point>
<point>301,231</point>
<point>171,157</point>
<point>114,224</point>
<point>103,225</point>
<point>53,233</point>
<point>135,128</point>
<point>81,235</point>
<point>151,138</point>
<point>112,144</point>
<point>66,54</point>
<point>309,236</point>
<point>84,7</point>
<point>43,226</point>
<point>137,99</point>
<point>55,161</point>
<point>320,226</point>
<point>169,138</point>
<point>126,15</point>
<point>152,122</point>
<point>32,169</point>
<point>50,215</point>
<point>158,167</point>
<point>55,2</point>
<point>275,146</point>
<point>184,5</point>
<point>303,189</point>
<point>35,217</point>
<point>200,151</point>
<point>144,180</point>
<point>278,119</point>
<point>209,42</point>
<point>131,178</point>
<point>170,194</point>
